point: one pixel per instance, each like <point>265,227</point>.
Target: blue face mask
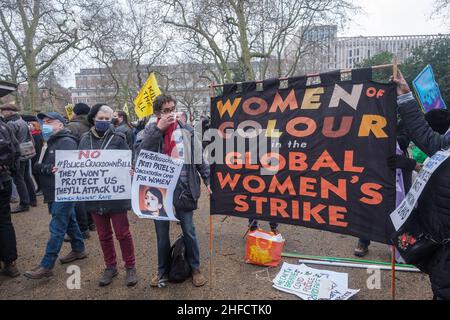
<point>47,131</point>
<point>102,125</point>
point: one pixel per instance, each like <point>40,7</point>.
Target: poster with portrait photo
<point>154,181</point>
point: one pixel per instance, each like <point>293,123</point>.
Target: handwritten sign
<point>92,175</point>
<point>154,182</point>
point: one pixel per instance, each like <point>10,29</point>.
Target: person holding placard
<point>171,137</point>
<point>433,207</point>
<point>63,213</point>
<point>103,136</point>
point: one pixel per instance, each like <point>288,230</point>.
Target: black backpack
<point>7,149</point>
<point>180,270</point>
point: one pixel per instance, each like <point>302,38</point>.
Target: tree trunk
<point>33,95</point>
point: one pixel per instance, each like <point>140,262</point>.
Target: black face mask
<point>115,121</point>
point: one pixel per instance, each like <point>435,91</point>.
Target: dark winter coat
<point>79,126</point>
<point>63,140</point>
<point>434,203</point>
<point>128,132</point>
<point>187,191</point>
<point>112,140</point>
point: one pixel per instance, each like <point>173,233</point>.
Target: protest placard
<point>92,175</point>
<point>313,284</point>
<point>401,214</point>
<point>324,162</point>
<point>427,90</point>
<point>154,181</point>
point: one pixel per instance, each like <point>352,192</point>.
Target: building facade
<point>325,51</point>
<point>121,83</point>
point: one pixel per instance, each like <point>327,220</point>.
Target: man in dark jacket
<point>162,137</point>
<point>22,176</point>
<point>9,157</point>
<point>121,124</point>
<point>433,209</point>
<point>63,214</point>
<point>79,125</point>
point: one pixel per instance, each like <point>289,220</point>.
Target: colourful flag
<point>427,90</point>
<point>126,110</point>
<point>143,104</point>
<point>69,111</point>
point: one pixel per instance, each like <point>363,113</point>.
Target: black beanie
<point>439,120</point>
<point>94,111</point>
<point>81,108</point>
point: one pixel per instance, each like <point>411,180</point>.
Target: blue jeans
<point>254,223</point>
<point>63,221</point>
<point>190,241</point>
<point>364,242</point>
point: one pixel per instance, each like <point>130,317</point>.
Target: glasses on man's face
<point>168,110</point>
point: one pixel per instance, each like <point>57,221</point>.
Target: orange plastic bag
<point>264,248</point>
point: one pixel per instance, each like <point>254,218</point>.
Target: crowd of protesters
<point>32,148</point>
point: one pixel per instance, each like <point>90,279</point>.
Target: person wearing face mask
<point>169,136</point>
<point>103,136</point>
<point>121,124</point>
<point>63,220</point>
<point>154,203</point>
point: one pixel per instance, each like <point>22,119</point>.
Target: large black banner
<point>314,156</point>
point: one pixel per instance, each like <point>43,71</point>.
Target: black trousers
<point>439,271</point>
<point>8,247</point>
<point>24,184</point>
<point>82,216</point>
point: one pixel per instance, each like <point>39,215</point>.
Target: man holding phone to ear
<point>171,137</point>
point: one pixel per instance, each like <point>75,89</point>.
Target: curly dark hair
<point>161,100</point>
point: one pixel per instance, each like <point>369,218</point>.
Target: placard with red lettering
<point>92,175</point>
<point>314,156</point>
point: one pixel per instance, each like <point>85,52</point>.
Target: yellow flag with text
<point>69,111</point>
<point>143,104</point>
<point>125,109</point>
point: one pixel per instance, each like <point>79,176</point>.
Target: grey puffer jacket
<point>127,131</point>
<point>20,129</point>
<point>187,192</point>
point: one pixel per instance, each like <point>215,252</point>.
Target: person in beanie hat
<point>103,136</point>
<point>79,125</point>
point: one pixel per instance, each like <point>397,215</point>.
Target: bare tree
<point>41,31</point>
<point>251,33</point>
<point>125,39</point>
<point>11,65</point>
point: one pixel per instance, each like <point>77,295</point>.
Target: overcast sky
<point>380,18</point>
<point>396,17</point>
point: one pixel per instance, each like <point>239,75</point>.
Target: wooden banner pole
<point>210,251</point>
<point>393,273</point>
<point>312,75</point>
<point>395,66</point>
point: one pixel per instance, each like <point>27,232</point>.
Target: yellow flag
<point>125,109</point>
<point>143,104</point>
<point>69,111</point>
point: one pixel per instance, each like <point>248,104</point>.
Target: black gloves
<point>401,162</point>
